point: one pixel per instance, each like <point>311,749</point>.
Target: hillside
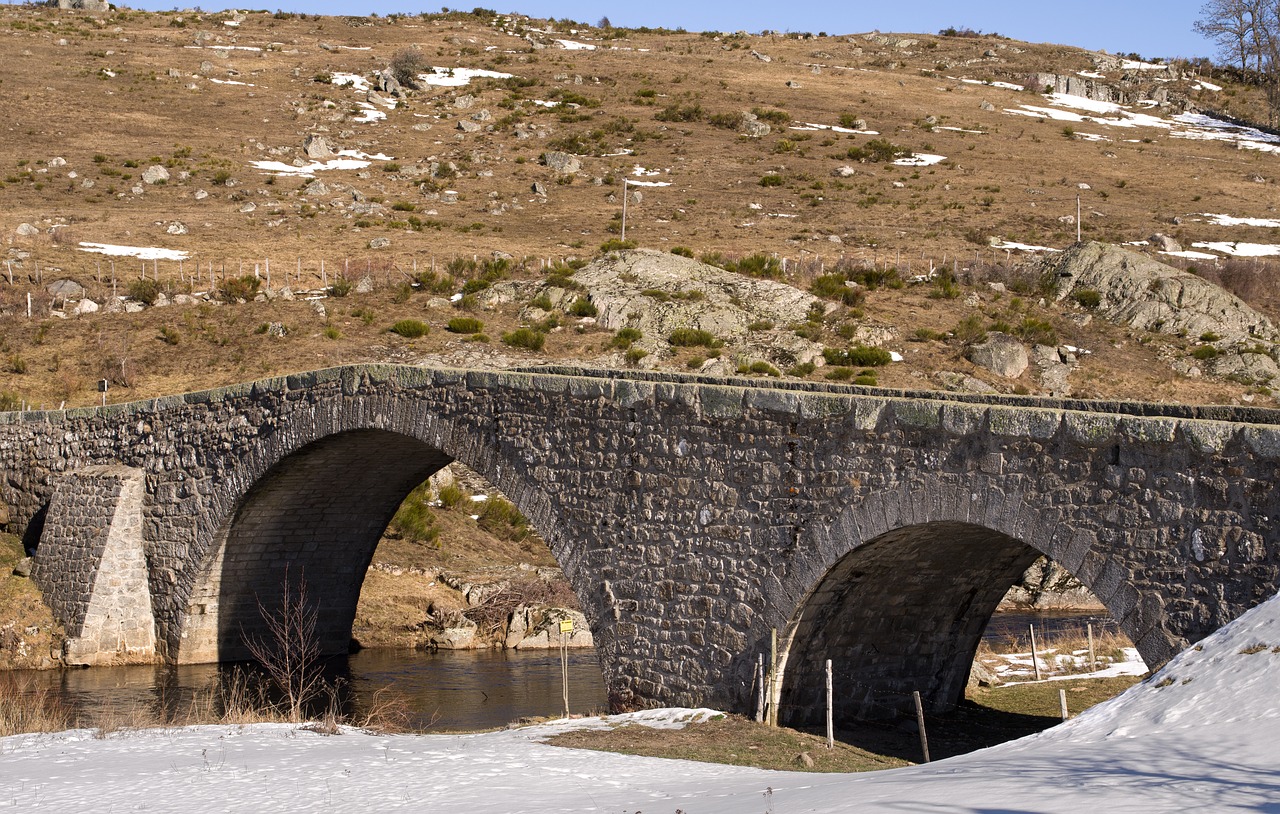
<point>189,132</point>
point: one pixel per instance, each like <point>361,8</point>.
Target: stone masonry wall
<point>692,516</point>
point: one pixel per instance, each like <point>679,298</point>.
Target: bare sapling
<point>289,650</point>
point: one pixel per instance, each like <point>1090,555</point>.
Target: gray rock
<point>562,163</point>
<point>200,195</point>
<point>539,188</point>
<point>468,126</point>
<point>762,57</point>
<point>985,105</point>
<point>23,568</point>
<point>464,102</point>
<point>249,206</point>
<point>26,230</point>
<point>176,228</point>
<point>317,147</point>
<point>380,243</point>
<point>277,329</point>
<point>155,174</point>
<point>87,306</point>
<point>1000,353</point>
<point>752,126</point>
<point>65,289</point>
<point>981,676</point>
<point>365,285</point>
<point>1164,243</point>
<point>1046,585</point>
<point>1146,294</point>
<point>962,382</point>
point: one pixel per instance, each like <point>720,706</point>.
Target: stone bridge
<point>876,528</point>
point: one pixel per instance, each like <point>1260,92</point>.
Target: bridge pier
<point>92,568</point>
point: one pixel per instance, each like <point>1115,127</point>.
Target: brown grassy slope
<point>1015,178</point>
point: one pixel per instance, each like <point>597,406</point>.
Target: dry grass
<point>25,709</point>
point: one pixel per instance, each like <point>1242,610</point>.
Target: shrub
<point>406,64</point>
<point>866,377</point>
<point>170,336</point>
<point>1086,298</point>
<point>682,251</point>
<point>771,181</point>
<point>464,325</point>
<point>877,151</point>
<point>615,245</point>
<point>760,368</point>
<point>634,355</point>
<point>1209,336</point>
<point>583,307</point>
<point>365,315</point>
<point>411,328</point>
<point>234,289</point>
<point>1205,352</point>
<point>777,117</point>
<point>757,265</point>
<point>332,332</point>
<point>624,338</point>
<point>832,287</point>
<point>452,495</point>
<point>503,520</point>
<point>859,355</point>
<point>692,338</point>
<point>341,287</point>
<point>1037,331</point>
<point>144,291</point>
<point>839,374</point>
<point>970,330</point>
<point>802,369</point>
<point>927,335</point>
<point>526,338</point>
<point>681,113</point>
<point>760,325</point>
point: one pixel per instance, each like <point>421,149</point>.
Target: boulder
<point>468,126</point>
<point>380,243</point>
<point>176,227</point>
<point>535,628</point>
<point>1046,585</point>
<point>1000,353</point>
<point>155,174</point>
<point>752,126</point>
<point>26,230</point>
<point>87,306</point>
<point>1164,243</point>
<point>65,289</point>
<point>317,147</point>
<point>461,635</point>
<point>562,163</point>
<point>1143,293</point>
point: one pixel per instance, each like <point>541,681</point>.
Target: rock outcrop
<point>1136,290</point>
<point>1001,354</point>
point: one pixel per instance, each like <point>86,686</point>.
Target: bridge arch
<point>902,603</point>
<point>312,504</point>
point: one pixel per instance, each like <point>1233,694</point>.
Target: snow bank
<point>1200,735</point>
<point>141,252</point>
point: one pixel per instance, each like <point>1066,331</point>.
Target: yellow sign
<point>566,625</point>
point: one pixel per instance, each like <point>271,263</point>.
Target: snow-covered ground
<point>1201,735</point>
<point>141,252</point>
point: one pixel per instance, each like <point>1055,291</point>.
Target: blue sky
<point>1149,28</point>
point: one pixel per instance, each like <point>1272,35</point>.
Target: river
<point>444,691</point>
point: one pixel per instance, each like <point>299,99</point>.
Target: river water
<point>447,690</point>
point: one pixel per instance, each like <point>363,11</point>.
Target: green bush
<point>692,338</point>
<point>681,113</point>
<point>832,287</point>
<point>877,151</point>
<point>1086,298</point>
<point>235,289</point>
<point>615,245</point>
<point>144,291</point>
<point>583,307</point>
<point>858,355</point>
<point>452,495</point>
<point>526,338</point>
<point>634,355</point>
<point>682,251</point>
<point>760,368</point>
<point>1206,352</point>
<point>803,369</point>
<point>464,325</point>
<point>839,374</point>
<point>503,520</point>
<point>1037,331</point>
<point>410,328</point>
<point>970,330</point>
<point>771,180</point>
<point>625,337</point>
<point>341,287</point>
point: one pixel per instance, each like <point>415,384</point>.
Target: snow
<point>1200,735</point>
<point>1091,74</point>
<point>1192,255</point>
<point>230,82</point>
<point>458,77</point>
<point>371,114</point>
<point>1203,85</point>
<point>308,170</point>
<point>1021,247</point>
<point>573,45</point>
<point>1240,249</point>
<point>632,183</point>
<point>812,127</point>
<point>1005,85</point>
<point>920,160</point>
<point>640,170</point>
<point>354,80</point>
<point>1228,220</point>
<point>142,252</point>
<point>1136,65</point>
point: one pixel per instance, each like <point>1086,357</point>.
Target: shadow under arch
<point>902,612</point>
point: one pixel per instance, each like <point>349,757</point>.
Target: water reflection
<point>444,691</point>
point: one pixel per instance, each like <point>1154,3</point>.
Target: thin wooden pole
<point>1035,662</point>
<point>1062,702</point>
<point>924,738</point>
<point>564,670</point>
<point>831,730</point>
<point>773,674</point>
<point>1093,662</point>
<point>760,688</point>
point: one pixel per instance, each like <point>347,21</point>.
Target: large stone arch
<point>312,502</point>
<point>901,600</point>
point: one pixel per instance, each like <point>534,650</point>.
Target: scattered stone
<point>562,163</point>
<point>464,102</point>
<point>65,289</point>
<point>468,126</point>
<point>791,83</point>
<point>752,127</point>
<point>317,147</point>
<point>200,195</point>
<point>318,307</point>
<point>277,329</point>
<point>87,306</point>
<point>804,759</point>
<point>57,161</point>
<point>365,286</point>
<point>176,228</point>
<point>249,206</point>
<point>539,188</point>
<point>155,174</point>
<point>1164,243</point>
<point>762,57</point>
<point>985,105</point>
<point>380,243</point>
<point>23,568</point>
<point>1000,353</point>
<point>962,383</point>
<point>26,230</point>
